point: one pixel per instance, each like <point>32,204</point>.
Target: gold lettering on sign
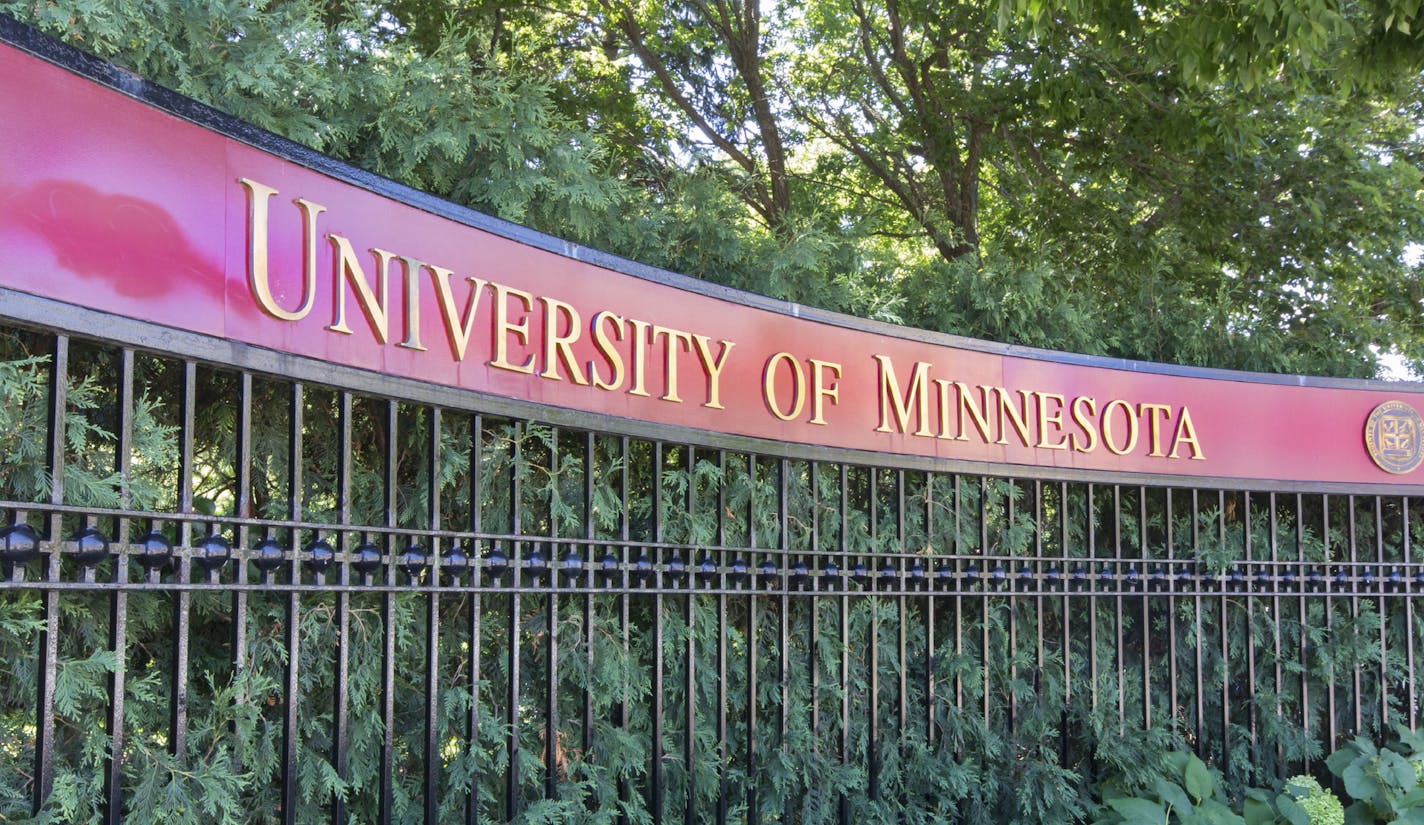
<point>1155,414</point>
<point>558,347</point>
<point>1054,419</point>
<point>458,327</point>
<point>1107,427</point>
<point>547,338</point>
<point>412,304</point>
<point>623,351</point>
<point>1085,410</point>
<point>604,344</point>
<point>822,388</point>
<point>1018,416</point>
<point>259,197</point>
<point>1186,434</point>
<point>683,342</point>
<point>978,415</point>
<point>798,391</point>
<point>1029,418</point>
<point>713,368</point>
<point>640,357</point>
<point>503,328</point>
<point>897,402</point>
<point>373,303</point>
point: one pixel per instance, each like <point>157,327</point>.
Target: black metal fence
<point>400,608</point>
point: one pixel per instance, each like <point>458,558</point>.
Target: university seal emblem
<point>1393,435</point>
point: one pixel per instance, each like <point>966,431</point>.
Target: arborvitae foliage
<point>1105,178</point>
<point>1019,733</point>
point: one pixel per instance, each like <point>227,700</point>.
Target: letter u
<point>258,197</point>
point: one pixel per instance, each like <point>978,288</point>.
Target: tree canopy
<point>1204,182</point>
<point>1218,183</point>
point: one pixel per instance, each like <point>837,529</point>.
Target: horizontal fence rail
<point>372,609</point>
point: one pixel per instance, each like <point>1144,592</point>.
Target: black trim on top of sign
<point>45,47</point>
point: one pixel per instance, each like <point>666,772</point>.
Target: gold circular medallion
<point>1392,435</point>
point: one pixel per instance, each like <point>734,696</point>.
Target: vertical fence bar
<point>182,599</point>
<point>516,564</point>
<point>1119,652</point>
<point>872,743</point>
<point>1198,582</point>
<point>1145,627</point>
<point>1224,637</point>
<point>1064,550</point>
<point>118,603</point>
<point>814,567</point>
<point>983,508</point>
<point>783,614</point>
<point>1276,579</point>
<point>813,471</point>
<point>589,455</point>
<point>1092,541</point>
<point>244,511</point>
<point>689,745</point>
<point>1381,577</point>
<point>1038,589</point>
<point>753,798</point>
<point>1303,615</point>
<point>431,785</point>
<point>388,616</point>
<point>843,638</point>
<point>1248,583</point>
<point>624,556</point>
<point>292,677</point>
<point>723,746</point>
<point>901,701</point>
<point>959,597</point>
<point>1332,719</point>
<point>1172,579</point>
<point>1410,594</point>
<point>655,750</point>
<point>476,525</point>
<point>1353,582</point>
<point>341,700</point>
<point>931,573</point>
<point>551,631</point>
<point>49,634</point>
<point>1003,574</point>
<point>959,554</point>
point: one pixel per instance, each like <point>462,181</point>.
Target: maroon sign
<point>112,204</point>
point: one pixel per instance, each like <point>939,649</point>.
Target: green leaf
<point>1414,740</point>
<point>1291,810</point>
<point>1359,784</point>
<point>1359,814</point>
<point>1212,812</point>
<point>1341,759</point>
<point>1396,770</point>
<point>1171,793</point>
<point>1198,778</point>
<point>1258,812</point>
<point>1139,811</point>
<point>1177,762</point>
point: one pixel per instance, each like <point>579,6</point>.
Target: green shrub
<point>1385,782</point>
<point>1305,802</point>
<point>1186,791</point>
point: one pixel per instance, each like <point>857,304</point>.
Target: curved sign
<point>116,204</point>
